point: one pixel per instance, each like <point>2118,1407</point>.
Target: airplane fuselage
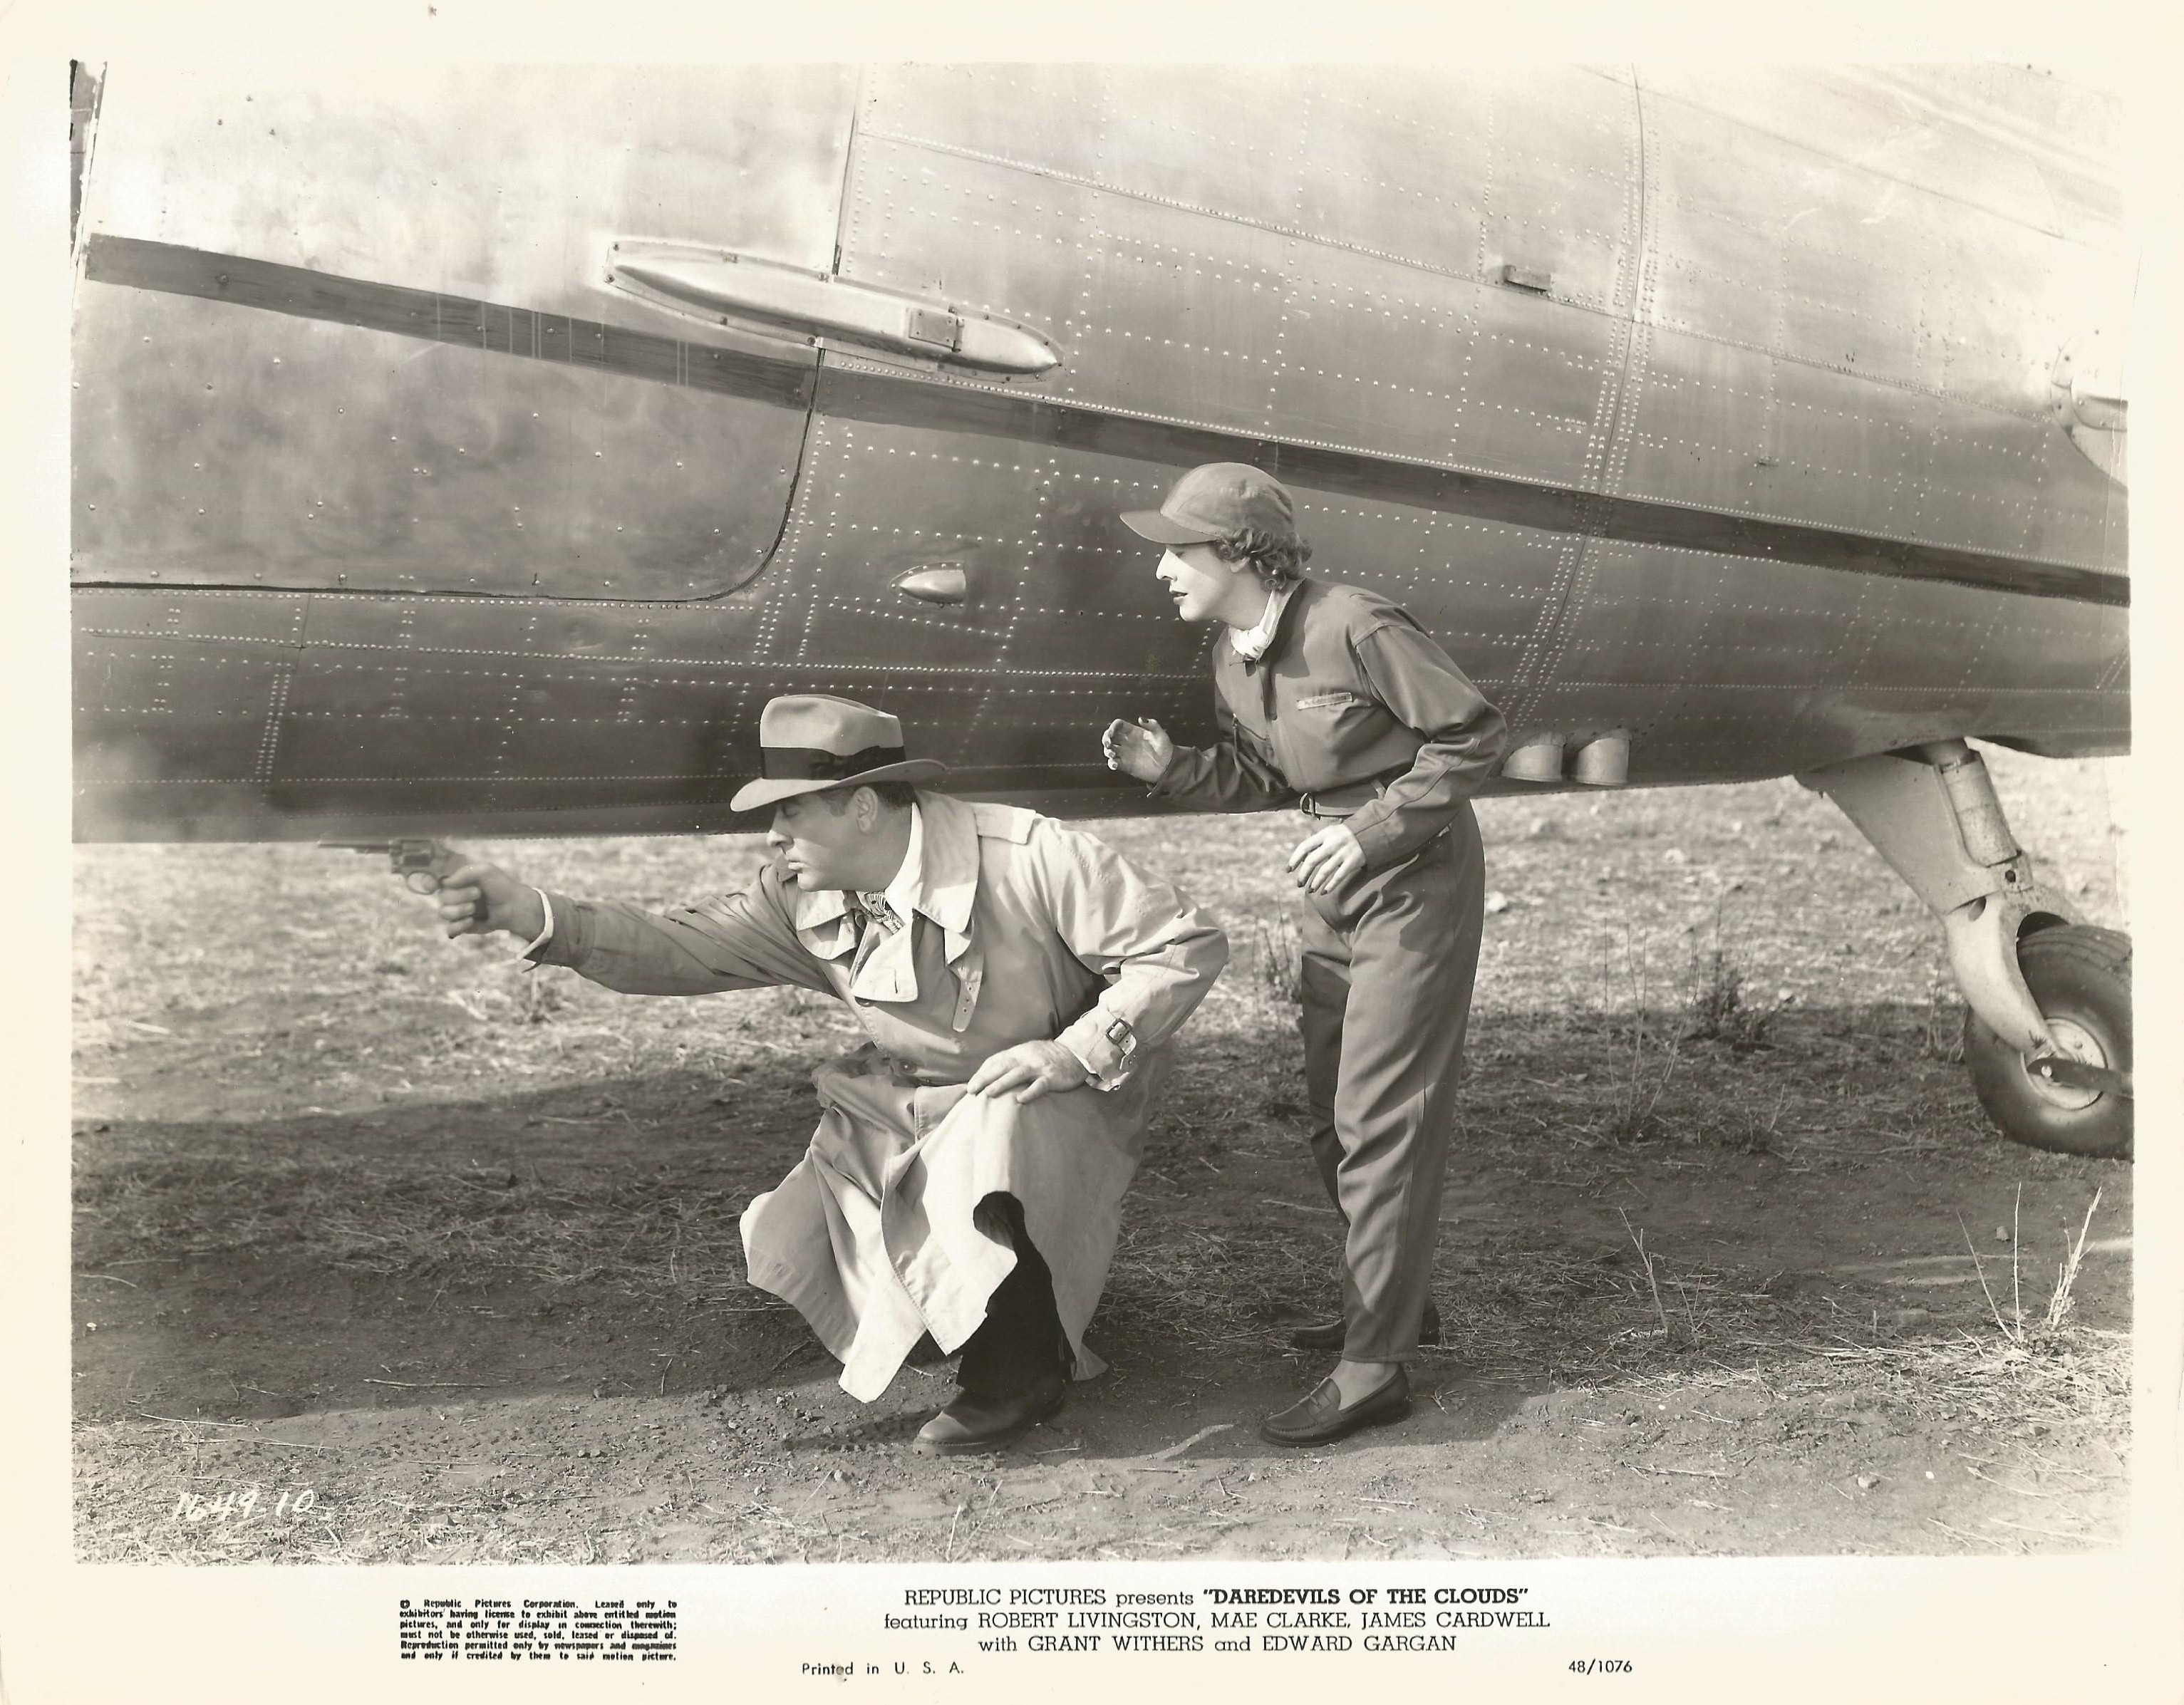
<point>1763,420</point>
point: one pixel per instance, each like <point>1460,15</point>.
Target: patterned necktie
<point>868,909</point>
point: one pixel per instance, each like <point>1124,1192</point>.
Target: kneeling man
<point>1014,978</point>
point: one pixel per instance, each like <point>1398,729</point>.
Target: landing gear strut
<point>2048,1039</point>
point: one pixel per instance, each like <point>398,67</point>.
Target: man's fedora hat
<point>810,741</point>
<point>1219,501</point>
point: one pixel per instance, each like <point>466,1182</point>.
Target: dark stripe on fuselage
<point>908,400</point>
<point>882,399</point>
<point>458,320</point>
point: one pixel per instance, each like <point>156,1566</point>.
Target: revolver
<point>419,860</point>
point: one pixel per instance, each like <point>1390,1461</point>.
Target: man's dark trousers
<point>1021,1340</point>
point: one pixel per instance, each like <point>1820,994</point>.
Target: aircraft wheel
<point>2081,978</point>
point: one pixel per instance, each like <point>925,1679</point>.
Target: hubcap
<point>2073,1038</point>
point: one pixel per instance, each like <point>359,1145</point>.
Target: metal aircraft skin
<point>474,451</point>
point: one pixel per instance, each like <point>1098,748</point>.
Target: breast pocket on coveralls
<point>1338,718</point>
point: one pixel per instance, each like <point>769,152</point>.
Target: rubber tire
<point>2078,972</point>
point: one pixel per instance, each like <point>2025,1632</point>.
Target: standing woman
<point>1332,699</point>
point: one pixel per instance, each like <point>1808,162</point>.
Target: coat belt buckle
<point>893,1069</point>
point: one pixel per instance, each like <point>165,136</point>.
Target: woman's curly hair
<point>1276,559</point>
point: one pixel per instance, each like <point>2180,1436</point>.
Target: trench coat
<point>1022,929</point>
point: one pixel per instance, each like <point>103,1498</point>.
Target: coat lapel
<point>948,874</point>
<point>886,965</point>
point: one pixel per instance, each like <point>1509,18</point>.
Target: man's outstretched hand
<point>1031,1069</point>
<point>478,899</point>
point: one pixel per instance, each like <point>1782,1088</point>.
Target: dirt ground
<point>386,1253</point>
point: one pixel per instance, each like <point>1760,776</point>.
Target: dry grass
<point>2020,1333</point>
<point>1277,959</point>
<point>1968,1382</point>
<point>296,1096</point>
<point>375,1021</point>
<point>1204,1291</point>
<point>1720,1006</point>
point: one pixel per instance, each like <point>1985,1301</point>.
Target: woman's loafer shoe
<point>1329,1335</point>
<point>975,1422</point>
<point>1320,1418</point>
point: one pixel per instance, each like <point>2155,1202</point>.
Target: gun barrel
<point>406,855</point>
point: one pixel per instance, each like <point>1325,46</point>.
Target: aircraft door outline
<point>299,368</point>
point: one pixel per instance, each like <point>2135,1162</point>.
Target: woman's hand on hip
<point>1142,749</point>
<point>1322,862</point>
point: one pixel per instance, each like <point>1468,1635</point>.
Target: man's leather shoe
<point>1320,1418</point>
<point>1329,1335</point>
<point>976,1422</point>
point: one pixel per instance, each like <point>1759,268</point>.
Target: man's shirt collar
<point>939,877</point>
